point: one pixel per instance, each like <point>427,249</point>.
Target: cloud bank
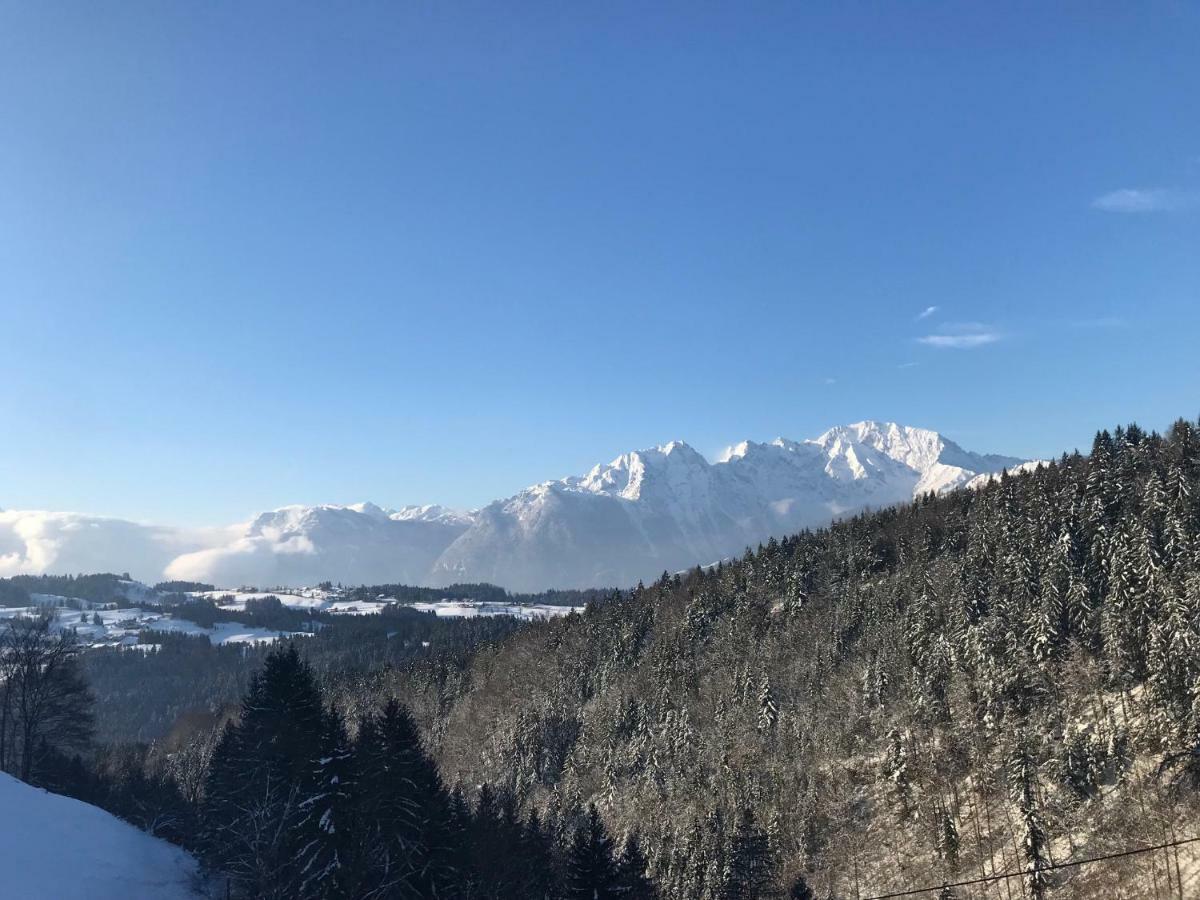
<point>34,542</point>
<point>293,545</point>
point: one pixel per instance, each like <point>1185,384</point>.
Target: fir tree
<point>749,869</point>
<point>537,856</point>
<point>591,869</point>
<point>410,820</point>
<point>327,831</point>
<point>632,881</point>
<point>768,709</point>
<point>1034,843</point>
<point>947,839</point>
<point>261,772</point>
<point>800,890</point>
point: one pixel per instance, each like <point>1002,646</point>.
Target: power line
<point>1064,865</point>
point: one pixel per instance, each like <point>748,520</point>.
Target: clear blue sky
<point>262,253</point>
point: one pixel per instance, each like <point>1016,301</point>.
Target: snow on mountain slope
<point>667,508</point>
<point>988,477</point>
<point>663,508</point>
<point>56,848</point>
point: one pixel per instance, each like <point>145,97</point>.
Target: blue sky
<point>255,254</point>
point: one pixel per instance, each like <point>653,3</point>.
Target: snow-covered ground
<point>469,609</point>
<point>315,599</point>
<point>56,848</point>
<point>303,598</point>
<point>98,625</point>
<point>122,627</point>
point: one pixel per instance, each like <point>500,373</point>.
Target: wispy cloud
<point>961,336</point>
<point>926,312</point>
<point>828,381</point>
<point>1146,200</point>
<point>907,365</point>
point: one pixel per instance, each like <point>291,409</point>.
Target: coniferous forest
<point>975,693</point>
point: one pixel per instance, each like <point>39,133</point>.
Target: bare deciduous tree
<point>45,703</point>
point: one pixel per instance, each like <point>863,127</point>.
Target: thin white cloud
<point>958,341</point>
<point>1146,200</point>
<point>828,381</point>
<point>907,365</point>
<point>961,336</point>
<point>926,312</point>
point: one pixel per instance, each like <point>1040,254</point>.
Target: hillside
<point>994,688</point>
<point>56,848</point>
<point>989,682</point>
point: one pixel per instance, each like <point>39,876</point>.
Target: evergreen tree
<point>749,870</point>
<point>800,890</point>
<point>591,869</point>
<point>947,839</point>
<point>261,772</point>
<point>326,859</point>
<point>768,709</point>
<point>537,856</point>
<point>1034,843</point>
<point>632,881</point>
<point>413,827</point>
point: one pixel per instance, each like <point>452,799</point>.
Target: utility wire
<point>1064,865</point>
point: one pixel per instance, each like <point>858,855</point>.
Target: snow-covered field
<point>333,602</point>
<point>56,848</point>
<point>303,598</point>
<point>468,609</point>
<point>122,627</point>
<point>100,626</point>
<point>315,599</point>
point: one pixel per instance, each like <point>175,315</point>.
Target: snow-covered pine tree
<point>1023,789</point>
<point>947,839</point>
<point>749,870</point>
<point>768,708</point>
<point>327,833</point>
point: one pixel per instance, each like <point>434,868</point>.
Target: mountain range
<point>661,509</point>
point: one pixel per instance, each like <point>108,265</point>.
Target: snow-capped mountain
<point>668,508</point>
<point>664,508</point>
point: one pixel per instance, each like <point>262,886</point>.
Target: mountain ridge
<point>660,508</point>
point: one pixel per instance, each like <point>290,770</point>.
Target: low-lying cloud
<point>35,542</point>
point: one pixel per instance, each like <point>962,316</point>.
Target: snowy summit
<point>662,508</point>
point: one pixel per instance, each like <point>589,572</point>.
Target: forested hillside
<point>989,693</point>
<point>996,680</point>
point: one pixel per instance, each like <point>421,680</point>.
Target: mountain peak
<point>664,507</point>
